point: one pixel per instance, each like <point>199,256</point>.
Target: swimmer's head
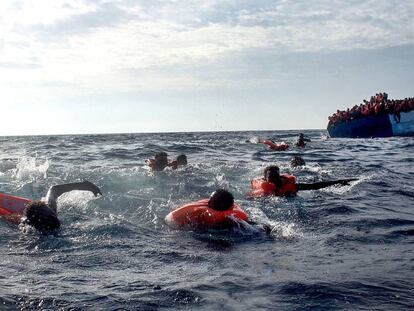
<point>272,174</point>
<point>160,162</point>
<point>161,155</point>
<point>40,216</point>
<point>301,135</point>
<point>221,200</point>
<point>182,159</point>
<point>297,161</point>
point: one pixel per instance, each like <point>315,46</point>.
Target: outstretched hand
<point>93,188</point>
<point>346,182</point>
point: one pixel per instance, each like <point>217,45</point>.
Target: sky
<point>123,66</point>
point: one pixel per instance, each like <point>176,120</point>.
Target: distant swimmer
<point>274,146</point>
<point>42,214</point>
<point>301,142</point>
<point>297,161</point>
<point>274,183</point>
<point>160,162</point>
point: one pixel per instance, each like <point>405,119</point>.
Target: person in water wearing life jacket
<point>180,161</point>
<point>297,161</point>
<point>219,211</point>
<point>42,214</point>
<point>274,183</point>
<point>274,146</point>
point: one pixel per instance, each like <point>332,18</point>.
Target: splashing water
<point>336,248</point>
<point>31,169</point>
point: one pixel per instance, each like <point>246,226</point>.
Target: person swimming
<point>297,161</point>
<point>218,212</point>
<point>215,212</point>
<point>160,162</point>
<point>180,161</point>
<point>301,142</point>
<point>274,146</point>
<point>42,214</point>
<point>274,183</point>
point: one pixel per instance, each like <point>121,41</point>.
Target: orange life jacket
<point>261,187</point>
<point>198,214</point>
<point>274,146</point>
<point>12,207</point>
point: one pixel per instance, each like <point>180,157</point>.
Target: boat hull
<point>386,125</point>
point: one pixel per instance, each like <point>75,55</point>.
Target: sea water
<point>348,247</point>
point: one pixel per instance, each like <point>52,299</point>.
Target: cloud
<point>105,45</point>
<point>10,65</point>
<point>106,15</point>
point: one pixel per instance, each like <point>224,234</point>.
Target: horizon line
<point>166,132</point>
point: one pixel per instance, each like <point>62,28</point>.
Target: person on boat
<point>274,183</point>
<point>377,105</point>
<point>297,161</point>
<point>218,212</point>
<point>274,146</point>
<point>180,161</point>
<point>42,214</point>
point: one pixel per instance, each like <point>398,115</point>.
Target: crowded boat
<point>377,105</point>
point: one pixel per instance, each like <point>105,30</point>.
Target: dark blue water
<point>337,248</point>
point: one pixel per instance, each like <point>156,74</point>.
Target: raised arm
<point>56,191</point>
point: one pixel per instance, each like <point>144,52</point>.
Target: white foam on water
<point>339,189</point>
<point>6,165</point>
<point>254,140</point>
<point>285,231</point>
<point>31,169</point>
<point>77,198</point>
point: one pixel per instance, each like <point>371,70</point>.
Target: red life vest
<point>261,187</point>
<point>279,147</point>
<point>198,214</point>
<point>12,207</point>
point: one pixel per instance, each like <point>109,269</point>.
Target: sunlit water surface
<point>338,248</point>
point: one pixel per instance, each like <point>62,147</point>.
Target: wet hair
<point>160,161</point>
<point>272,174</point>
<point>161,155</point>
<point>40,216</point>
<point>182,159</point>
<point>297,161</point>
<point>221,200</point>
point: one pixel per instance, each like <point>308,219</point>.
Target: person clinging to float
<point>42,214</point>
<point>218,212</point>
<point>276,184</point>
